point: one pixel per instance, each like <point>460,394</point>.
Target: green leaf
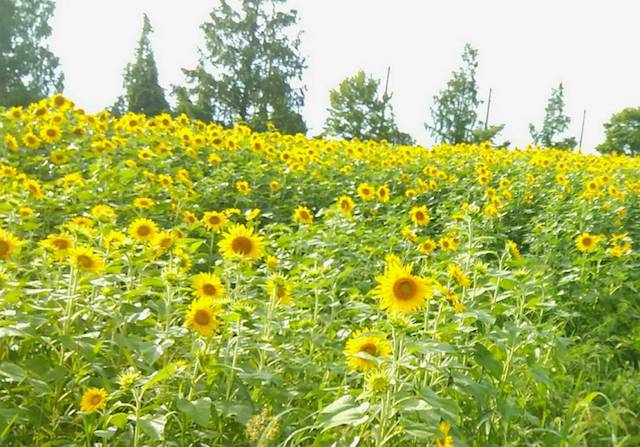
<point>119,420</point>
<point>343,411</point>
<point>159,376</point>
<point>485,359</point>
<point>198,410</point>
<point>153,426</point>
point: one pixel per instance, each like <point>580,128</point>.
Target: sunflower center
<point>304,215</point>
<point>404,289</point>
<point>420,215</point>
<point>345,205</point>
<point>51,133</point>
<point>96,399</point>
<point>587,241</point>
<point>214,220</point>
<point>209,289</point>
<point>85,261</point>
<point>61,244</point>
<point>202,317</point>
<point>4,247</point>
<point>369,348</point>
<point>281,291</point>
<point>144,230</point>
<point>242,245</point>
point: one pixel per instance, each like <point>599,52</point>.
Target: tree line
<point>250,71</point>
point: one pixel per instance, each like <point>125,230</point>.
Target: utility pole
<point>385,96</point>
<point>486,119</point>
<point>584,115</point>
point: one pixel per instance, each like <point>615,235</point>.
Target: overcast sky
<point>525,49</point>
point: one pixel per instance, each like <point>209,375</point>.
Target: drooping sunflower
<point>93,399</point>
<point>202,317</point>
<point>214,220</point>
<point>345,205</point>
<point>8,244</point>
<point>239,242</point>
<point>420,215</point>
<point>86,259</point>
<point>279,289</point>
<point>60,244</point>
<point>103,212</point>
<point>303,215</point>
<point>366,191</point>
<point>143,230</point>
<point>207,285</point>
<point>367,342</point>
<point>458,274</point>
<point>401,292</point>
<point>586,242</point>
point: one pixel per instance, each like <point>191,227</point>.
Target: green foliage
<point>454,111</point>
<point>555,123</point>
<point>143,93</point>
<point>622,133</point>
<point>28,69</point>
<point>248,69</point>
<point>357,111</point>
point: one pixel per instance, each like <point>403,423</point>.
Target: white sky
<point>525,49</point>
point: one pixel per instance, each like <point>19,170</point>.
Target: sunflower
<point>399,291</point>
<point>420,215</point>
<point>427,247</point>
<point>8,244</point>
<point>86,259</point>
<point>369,343</point>
<point>239,242</point>
<point>279,289</point>
<point>207,285</point>
<point>143,230</point>
<point>272,262</point>
<point>243,187</point>
<point>163,242</point>
<point>303,215</point>
<point>366,191</point>
<point>345,205</point>
<point>143,202</point>
<point>214,220</point>
<point>93,399</point>
<point>34,187</point>
<point>60,244</point>
<point>103,212</point>
<point>383,193</point>
<point>456,273</point>
<point>189,217</point>
<point>50,134</point>
<point>113,240</point>
<point>446,440</point>
<point>586,242</point>
<point>202,317</point>
<point>513,249</point>
<point>274,185</point>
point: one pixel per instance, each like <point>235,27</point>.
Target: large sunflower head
<point>239,242</point>
<point>86,259</point>
<point>207,285</point>
<point>202,317</point>
<point>401,292</point>
<point>143,230</point>
<point>362,346</point>
<point>93,399</point>
<point>214,220</point>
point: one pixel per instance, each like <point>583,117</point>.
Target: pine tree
<point>358,111</point>
<point>248,70</point>
<point>143,93</point>
<point>29,71</point>
<point>555,123</point>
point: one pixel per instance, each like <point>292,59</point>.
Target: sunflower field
<point>168,282</point>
